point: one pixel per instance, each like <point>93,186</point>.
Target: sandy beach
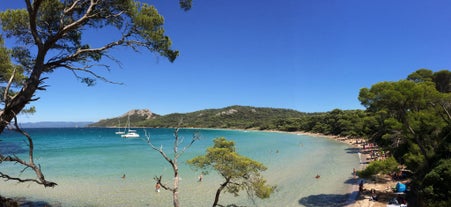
<point>382,185</point>
<point>355,199</point>
<point>98,182</point>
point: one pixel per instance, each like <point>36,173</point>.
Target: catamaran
<point>131,133</point>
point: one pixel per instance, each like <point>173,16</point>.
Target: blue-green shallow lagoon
<point>87,164</point>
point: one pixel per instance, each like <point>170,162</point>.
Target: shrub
<point>379,166</point>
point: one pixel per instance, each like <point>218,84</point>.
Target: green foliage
<point>421,75</point>
<point>436,184</point>
<point>239,172</point>
<point>58,26</point>
<point>186,4</point>
<point>386,166</point>
<point>148,24</point>
<point>15,23</point>
<point>412,120</point>
<point>442,80</point>
<point>7,68</point>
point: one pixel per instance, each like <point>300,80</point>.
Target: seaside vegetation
<point>232,117</point>
<point>386,166</point>
<point>239,172</point>
<point>409,118</point>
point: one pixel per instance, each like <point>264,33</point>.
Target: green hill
<point>135,116</point>
<point>238,117</point>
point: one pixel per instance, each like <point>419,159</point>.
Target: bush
<point>436,184</point>
<point>379,166</point>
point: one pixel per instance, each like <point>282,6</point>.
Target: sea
<point>88,164</point>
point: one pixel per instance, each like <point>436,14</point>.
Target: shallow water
<point>87,164</point>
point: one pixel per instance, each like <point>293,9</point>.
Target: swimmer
<point>123,176</point>
<point>317,176</point>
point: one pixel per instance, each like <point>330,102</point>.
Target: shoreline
<point>354,193</point>
<point>356,198</point>
<point>353,197</point>
<point>382,185</point>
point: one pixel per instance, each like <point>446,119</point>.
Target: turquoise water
<point>87,164</point>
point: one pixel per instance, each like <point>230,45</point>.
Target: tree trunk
<point>15,106</point>
<point>175,192</point>
<point>218,192</point>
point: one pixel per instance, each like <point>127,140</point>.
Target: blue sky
<point>307,55</point>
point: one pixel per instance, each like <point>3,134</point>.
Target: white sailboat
<point>119,129</point>
<point>131,133</point>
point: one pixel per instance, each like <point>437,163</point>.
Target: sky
<point>306,55</point>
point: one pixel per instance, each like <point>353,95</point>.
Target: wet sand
<point>382,184</point>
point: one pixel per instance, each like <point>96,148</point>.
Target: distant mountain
<point>135,116</point>
<point>54,124</point>
<point>239,117</point>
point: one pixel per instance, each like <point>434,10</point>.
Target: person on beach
<point>354,172</point>
<point>157,187</point>
<point>373,194</point>
<point>361,186</point>
<point>200,178</point>
<point>123,176</point>
<point>317,176</point>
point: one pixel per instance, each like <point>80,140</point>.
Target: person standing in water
<point>157,187</point>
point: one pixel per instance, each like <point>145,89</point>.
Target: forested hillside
<point>237,117</point>
<point>133,116</point>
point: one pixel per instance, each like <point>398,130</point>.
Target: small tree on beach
<point>173,162</point>
<point>239,172</point>
<point>50,35</point>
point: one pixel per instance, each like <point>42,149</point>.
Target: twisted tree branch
<point>30,164</point>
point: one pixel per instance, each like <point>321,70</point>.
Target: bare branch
<point>85,70</point>
<point>173,162</point>
<point>36,168</point>
<point>74,24</point>
<point>8,86</point>
<point>447,112</point>
<point>7,177</point>
<point>33,11</point>
<point>67,10</point>
<point>196,137</point>
<point>159,179</point>
<point>75,57</point>
<point>160,150</point>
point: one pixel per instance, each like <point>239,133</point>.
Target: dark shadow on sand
<point>352,181</point>
<point>352,150</point>
<point>23,202</point>
<point>328,200</point>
